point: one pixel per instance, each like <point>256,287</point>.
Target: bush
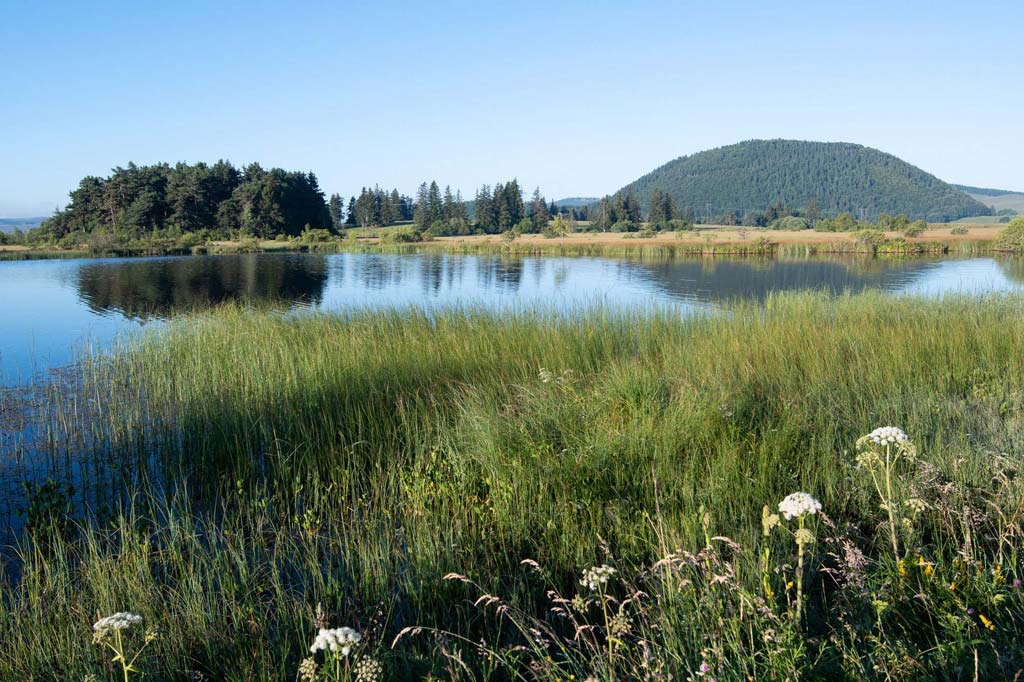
<point>678,225</point>
<point>844,222</point>
<point>915,229</point>
<point>559,227</point>
<point>869,237</point>
<point>624,226</point>
<point>960,230</point>
<point>790,223</point>
<point>102,241</point>
<point>315,236</point>
<point>404,236</point>
<point>1012,237</point>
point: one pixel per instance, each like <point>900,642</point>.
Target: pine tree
<point>421,211</point>
<point>483,207</point>
<point>435,205</point>
<point>397,206</point>
<point>336,209</point>
<point>448,204</point>
<point>538,211</point>
<point>350,218</point>
<point>656,214</point>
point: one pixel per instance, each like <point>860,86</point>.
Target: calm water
<point>52,309</point>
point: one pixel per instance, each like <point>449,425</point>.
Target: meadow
<point>536,497</point>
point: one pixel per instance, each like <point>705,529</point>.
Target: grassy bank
<point>242,468</point>
<point>704,241</point>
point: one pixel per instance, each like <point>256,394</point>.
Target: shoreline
<point>705,241</point>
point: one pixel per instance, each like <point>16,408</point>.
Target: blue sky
<point>576,97</point>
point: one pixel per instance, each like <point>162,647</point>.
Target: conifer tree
<point>336,209</point>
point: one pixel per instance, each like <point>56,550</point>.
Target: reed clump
<point>542,496</point>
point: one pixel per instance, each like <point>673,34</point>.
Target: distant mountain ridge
<point>1000,201</point>
<point>839,176</point>
<point>576,202</point>
<point>985,191</point>
<point>12,224</point>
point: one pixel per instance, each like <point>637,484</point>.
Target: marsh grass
<point>242,467</point>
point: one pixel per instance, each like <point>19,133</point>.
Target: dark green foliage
<point>622,208</point>
<point>379,208</point>
<point>139,200</point>
<point>838,177</point>
<point>538,212</point>
<point>501,209</point>
<point>337,209</point>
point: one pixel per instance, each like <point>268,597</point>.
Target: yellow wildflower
<point>986,622</point>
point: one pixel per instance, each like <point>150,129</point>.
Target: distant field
<point>721,234</point>
<point>1002,201</point>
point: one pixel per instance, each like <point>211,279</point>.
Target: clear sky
<point>576,97</point>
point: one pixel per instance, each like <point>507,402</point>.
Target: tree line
<point>217,199</point>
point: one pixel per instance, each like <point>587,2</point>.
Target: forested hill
<point>216,198</point>
<point>840,177</point>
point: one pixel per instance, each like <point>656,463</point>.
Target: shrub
<point>1012,237</point>
<point>404,236</point>
<point>790,223</point>
<point>869,237</point>
<point>844,222</point>
<point>915,229</point>
<point>678,224</point>
<point>559,227</point>
<point>315,236</point>
<point>960,230</point>
<point>525,225</point>
<point>624,226</point>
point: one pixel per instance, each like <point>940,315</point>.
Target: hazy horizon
<point>577,99</point>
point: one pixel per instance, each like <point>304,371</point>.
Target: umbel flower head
<point>886,435</point>
<point>798,504</point>
<point>338,640</point>
<point>596,576</point>
<point>121,620</point>
<point>368,670</point>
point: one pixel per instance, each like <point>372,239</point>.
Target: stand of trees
<point>440,214</point>
<point>377,208</point>
<point>219,200</point>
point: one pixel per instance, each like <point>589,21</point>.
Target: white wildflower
<point>545,376</point>
<point>368,670</point>
<point>596,576</point>
<point>798,504</point>
<point>338,640</point>
<point>118,621</point>
<point>887,435</point>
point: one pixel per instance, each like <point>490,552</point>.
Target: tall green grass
<point>242,467</point>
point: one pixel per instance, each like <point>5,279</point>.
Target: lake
<point>55,309</point>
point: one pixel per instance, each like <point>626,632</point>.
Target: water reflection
<point>163,287</point>
<point>51,309</point>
